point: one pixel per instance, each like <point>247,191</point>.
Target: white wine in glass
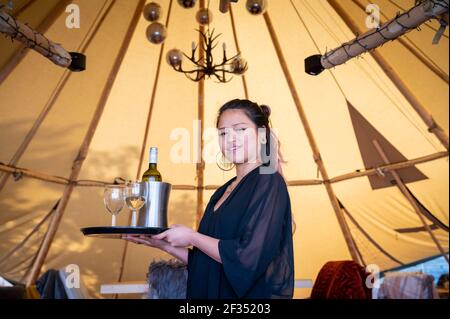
<point>114,199</point>
<point>136,196</point>
<point>135,202</point>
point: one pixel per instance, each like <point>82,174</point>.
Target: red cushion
<point>341,280</point>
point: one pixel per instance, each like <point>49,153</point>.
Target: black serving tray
<point>119,231</point>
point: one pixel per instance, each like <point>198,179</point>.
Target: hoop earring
<point>223,163</point>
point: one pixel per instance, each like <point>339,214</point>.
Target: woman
<point>243,247</point>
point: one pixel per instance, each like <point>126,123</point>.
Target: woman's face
<point>238,137</point>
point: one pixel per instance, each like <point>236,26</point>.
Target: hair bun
<point>266,110</point>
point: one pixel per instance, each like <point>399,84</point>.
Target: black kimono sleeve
<point>248,256</point>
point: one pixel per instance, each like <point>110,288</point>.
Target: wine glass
<point>114,199</point>
<point>135,198</point>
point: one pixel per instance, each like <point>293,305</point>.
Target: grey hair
<point>167,279</point>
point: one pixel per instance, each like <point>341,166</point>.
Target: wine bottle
<point>152,174</point>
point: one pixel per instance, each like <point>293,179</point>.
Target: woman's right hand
<point>147,241</point>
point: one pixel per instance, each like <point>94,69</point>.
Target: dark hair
<point>258,114</point>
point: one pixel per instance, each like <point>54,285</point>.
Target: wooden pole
<point>25,240</point>
<point>93,183</point>
<point>42,28</point>
<point>200,167</point>
<point>19,31</point>
<point>145,137</point>
<point>432,125</point>
<point>390,167</point>
<point>408,196</point>
<point>27,273</point>
<point>9,169</point>
<point>442,75</point>
<point>152,100</point>
<point>370,239</point>
<point>78,162</point>
<point>238,49</point>
<point>316,153</point>
<point>426,23</point>
<point>37,124</point>
<point>52,100</point>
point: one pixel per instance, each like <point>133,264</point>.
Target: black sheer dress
<point>254,229</point>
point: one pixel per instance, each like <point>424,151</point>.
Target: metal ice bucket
<point>154,212</point>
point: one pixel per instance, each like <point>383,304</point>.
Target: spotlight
<point>313,65</point>
<point>78,62</point>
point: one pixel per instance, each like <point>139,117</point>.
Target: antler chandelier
<point>204,65</point>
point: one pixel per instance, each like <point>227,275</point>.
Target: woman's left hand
<point>177,236</point>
